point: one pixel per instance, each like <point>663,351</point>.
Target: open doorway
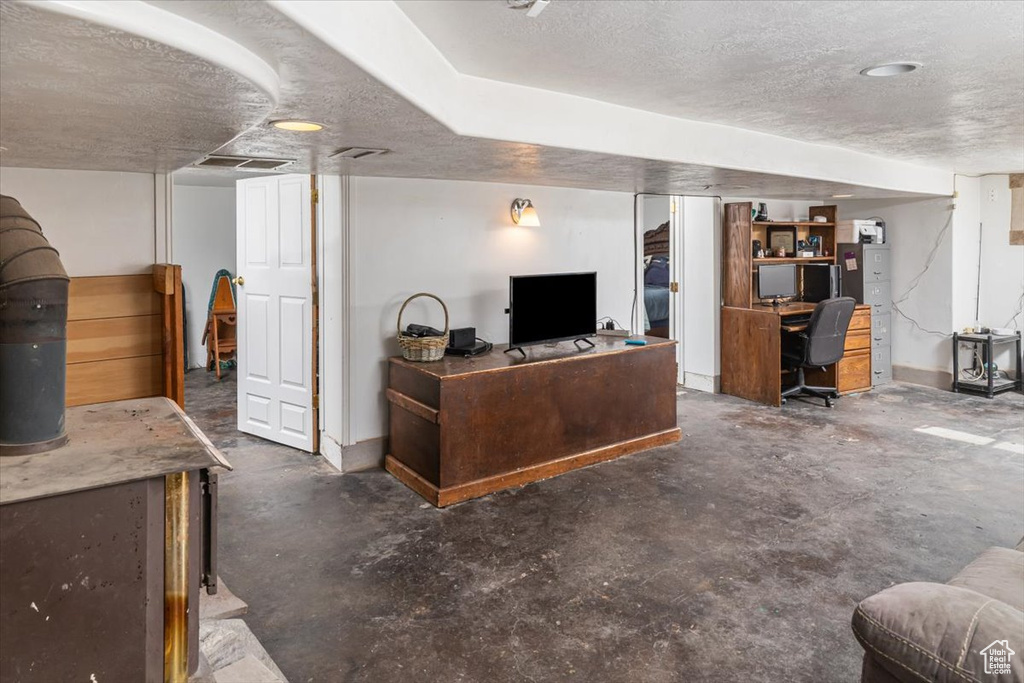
<point>657,264</point>
<point>659,259</point>
<point>678,281</point>
<point>247,246</point>
<point>203,243</point>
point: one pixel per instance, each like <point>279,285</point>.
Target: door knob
<point>240,281</point>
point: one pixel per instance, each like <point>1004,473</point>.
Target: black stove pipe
<point>33,335</point>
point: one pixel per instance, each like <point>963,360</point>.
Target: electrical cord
<point>615,322</point>
<point>974,374</point>
<point>1017,311</point>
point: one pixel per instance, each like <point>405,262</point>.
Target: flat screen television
<point>550,308</point>
<point>776,281</point>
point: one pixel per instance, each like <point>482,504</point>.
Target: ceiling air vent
<point>242,163</point>
<point>358,152</point>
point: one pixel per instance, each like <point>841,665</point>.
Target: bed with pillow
<point>657,276</point>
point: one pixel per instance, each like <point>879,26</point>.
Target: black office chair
<point>819,345</point>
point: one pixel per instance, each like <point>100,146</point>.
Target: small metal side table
<point>991,385</point>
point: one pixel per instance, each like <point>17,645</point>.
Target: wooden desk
<point>752,352</point>
<point>465,427</point>
<point>786,309</point>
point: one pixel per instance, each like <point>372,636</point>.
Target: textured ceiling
<point>74,94</point>
<point>786,68</point>
<point>202,177</point>
<point>77,95</point>
<point>319,84</point>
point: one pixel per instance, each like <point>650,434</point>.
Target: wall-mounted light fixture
<point>524,214</point>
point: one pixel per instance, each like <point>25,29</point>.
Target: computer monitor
<point>776,281</point>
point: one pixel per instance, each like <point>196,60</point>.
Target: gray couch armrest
<point>934,632</point>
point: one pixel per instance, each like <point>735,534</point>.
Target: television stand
<point>516,348</point>
<point>585,341</point>
<point>461,428</point>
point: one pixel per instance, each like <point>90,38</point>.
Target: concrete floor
<point>735,555</point>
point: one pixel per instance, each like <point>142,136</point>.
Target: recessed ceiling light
<point>297,126</point>
<point>893,69</point>
<point>841,196</point>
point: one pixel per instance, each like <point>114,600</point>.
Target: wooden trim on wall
<point>167,283</point>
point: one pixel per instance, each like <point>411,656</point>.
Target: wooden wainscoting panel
<point>113,296</point>
<point>114,380</point>
<point>124,338</point>
<point>113,338</point>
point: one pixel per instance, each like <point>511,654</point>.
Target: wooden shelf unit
<point>799,224</point>
<point>739,267</point>
<point>794,259</point>
<point>751,333</point>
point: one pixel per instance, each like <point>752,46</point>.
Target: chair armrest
<point>935,632</point>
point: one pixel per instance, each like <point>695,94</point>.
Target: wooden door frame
<point>314,200</point>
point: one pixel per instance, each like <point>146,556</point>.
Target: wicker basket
<point>423,349</point>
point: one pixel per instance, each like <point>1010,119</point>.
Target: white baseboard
<point>365,455</point>
<point>706,383</point>
<point>331,450</point>
<point>928,377</point>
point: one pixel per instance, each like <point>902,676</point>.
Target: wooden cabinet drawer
<point>861,320</point>
<point>854,371</point>
<point>857,340</point>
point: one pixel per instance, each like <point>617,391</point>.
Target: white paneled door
<point>274,298</point>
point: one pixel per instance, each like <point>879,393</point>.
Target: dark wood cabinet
<point>465,427</point>
<point>84,561</point>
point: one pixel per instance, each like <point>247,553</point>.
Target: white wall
<point>915,230</point>
<point>780,209</point>
<point>702,292</point>
<point>456,240</point>
<point>102,223</point>
<point>1002,264</point>
<point>203,242</point>
<point>966,250</point>
<point>946,296</point>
